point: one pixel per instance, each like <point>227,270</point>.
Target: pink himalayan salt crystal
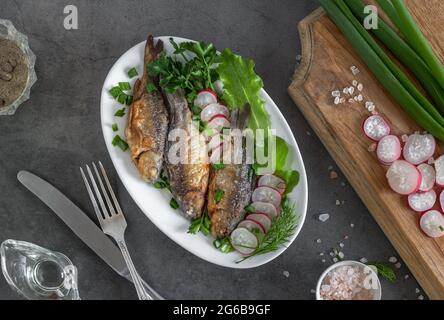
<point>372,147</point>
<point>345,283</point>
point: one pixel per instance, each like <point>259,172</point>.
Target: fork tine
<point>98,195</point>
<point>105,176</point>
<point>91,196</point>
<point>104,192</point>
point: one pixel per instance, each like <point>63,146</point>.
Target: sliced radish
<point>204,98</point>
<point>441,199</point>
<point>217,140</point>
<point>262,219</point>
<point>251,226</point>
<point>432,223</point>
<point>272,181</point>
<point>267,194</point>
<point>243,241</point>
<point>403,177</point>
<point>266,208</point>
<point>211,110</point>
<point>375,127</point>
<point>389,149</point>
<point>218,123</point>
<point>219,87</point>
<point>422,201</point>
<point>428,176</point>
<point>216,154</point>
<point>419,148</point>
<point>439,169</point>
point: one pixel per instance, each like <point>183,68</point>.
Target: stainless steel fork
<point>112,220</point>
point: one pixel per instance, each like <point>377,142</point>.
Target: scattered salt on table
<point>286,274</point>
<point>352,225</point>
<point>341,255</point>
<point>393,260</point>
<point>318,241</point>
<point>363,260</point>
<point>333,175</point>
<point>398,265</point>
<point>417,290</point>
<point>360,87</point>
<point>420,297</point>
<point>341,244</point>
<point>324,217</point>
<point>406,276</point>
<point>336,93</point>
<point>355,83</point>
<point>337,99</point>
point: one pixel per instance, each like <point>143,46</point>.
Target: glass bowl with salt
<point>349,280</point>
<point>17,73</point>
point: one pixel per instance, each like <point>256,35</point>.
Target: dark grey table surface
<point>59,129</point>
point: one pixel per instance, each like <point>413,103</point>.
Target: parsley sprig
<point>202,224</point>
<point>384,271</point>
<point>193,72</point>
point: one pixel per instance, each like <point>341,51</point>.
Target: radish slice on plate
<point>243,241</point>
<point>375,127</point>
<point>266,208</point>
<point>211,110</point>
<point>219,87</point>
<point>204,98</point>
<point>217,140</point>
<point>428,177</point>
<point>419,148</point>
<point>422,201</point>
<point>432,223</point>
<point>251,226</point>
<point>216,154</point>
<point>266,194</point>
<point>389,149</point>
<point>403,177</point>
<point>272,181</point>
<point>441,199</point>
<point>261,219</point>
<point>439,169</point>
<point>218,123</point>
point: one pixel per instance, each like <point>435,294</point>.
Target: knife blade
<point>79,223</point>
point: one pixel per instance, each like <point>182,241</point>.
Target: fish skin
<point>147,125</point>
<point>237,183</point>
<point>188,181</point>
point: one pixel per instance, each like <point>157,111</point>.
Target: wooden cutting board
<point>326,61</point>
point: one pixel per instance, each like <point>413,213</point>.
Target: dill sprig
<point>384,271</point>
<point>281,230</point>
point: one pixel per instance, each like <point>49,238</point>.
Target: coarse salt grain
<point>393,260</point>
<point>341,100</point>
<point>351,100</point>
<point>286,274</point>
<point>341,244</point>
<point>352,225</point>
<point>345,283</point>
<point>351,90</point>
<point>318,241</point>
<point>354,70</point>
<point>324,217</point>
<point>323,260</point>
<point>406,276</point>
<point>404,138</point>
<point>417,290</point>
<point>338,203</point>
<point>363,260</point>
<point>337,99</point>
<point>335,260</point>
<point>360,98</point>
<point>336,93</point>
<point>398,265</point>
<point>431,161</point>
<point>341,255</point>
<point>333,175</point>
<point>355,83</point>
<point>360,87</point>
<point>421,297</point>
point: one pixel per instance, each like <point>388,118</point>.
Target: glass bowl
<point>9,32</point>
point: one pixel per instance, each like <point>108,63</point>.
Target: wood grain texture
<point>325,66</point>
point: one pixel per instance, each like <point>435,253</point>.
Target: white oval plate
<point>155,203</point>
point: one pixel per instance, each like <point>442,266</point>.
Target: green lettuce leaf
<point>241,86</point>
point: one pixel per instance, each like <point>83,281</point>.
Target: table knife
<point>79,223</point>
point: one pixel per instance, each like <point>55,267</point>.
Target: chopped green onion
<point>249,209</point>
<point>218,195</point>
<point>125,86</point>
<point>120,113</point>
<point>224,245</point>
<point>115,92</point>
<point>129,100</point>
<point>122,98</point>
<point>160,184</point>
<point>218,166</point>
<point>118,142</point>
<point>151,87</point>
<point>174,204</point>
<point>132,73</point>
<point>115,127</point>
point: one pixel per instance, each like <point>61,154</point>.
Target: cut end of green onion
<point>120,113</point>
<point>132,73</point>
<point>118,142</point>
<point>115,127</point>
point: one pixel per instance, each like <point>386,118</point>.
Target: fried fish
<point>147,125</point>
